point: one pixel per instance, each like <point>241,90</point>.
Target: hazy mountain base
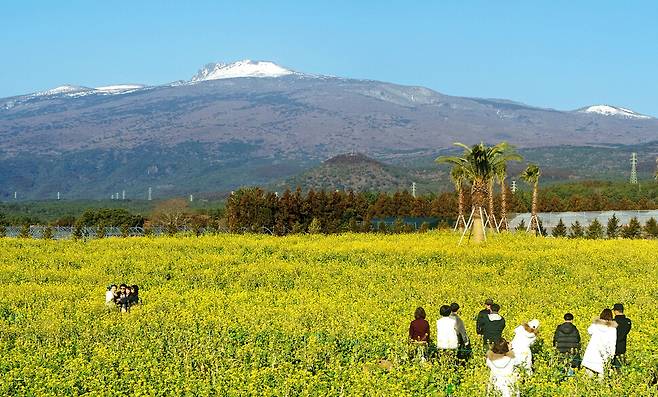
<point>195,167</point>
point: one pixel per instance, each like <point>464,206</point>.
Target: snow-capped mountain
<point>245,68</point>
<point>608,110</point>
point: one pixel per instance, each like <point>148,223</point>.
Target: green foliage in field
<point>305,315</point>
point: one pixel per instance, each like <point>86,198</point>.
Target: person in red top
<point>419,329</point>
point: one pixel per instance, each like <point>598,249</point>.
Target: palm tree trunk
<point>490,215</point>
<point>503,205</point>
<point>460,208</point>
<point>478,194</point>
<point>533,224</point>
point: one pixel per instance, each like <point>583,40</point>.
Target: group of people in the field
<point>123,298</point>
<point>505,359</point>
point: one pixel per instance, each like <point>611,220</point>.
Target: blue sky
<point>560,54</point>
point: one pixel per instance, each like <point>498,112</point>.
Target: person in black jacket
<point>623,328</point>
<point>567,340</point>
<point>482,316</point>
<point>492,326</point>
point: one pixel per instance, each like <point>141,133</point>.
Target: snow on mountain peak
<point>608,110</point>
<point>63,89</point>
<point>119,88</point>
<point>245,68</point>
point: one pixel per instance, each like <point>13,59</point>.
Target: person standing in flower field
<point>464,351</point>
<point>492,326</point>
<point>567,340</point>
<point>623,328</point>
<point>601,346</point>
<point>524,336</point>
<point>482,316</point>
<point>446,330</point>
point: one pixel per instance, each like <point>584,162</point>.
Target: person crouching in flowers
<point>500,361</point>
<point>524,336</point>
<point>122,299</point>
<point>601,346</point>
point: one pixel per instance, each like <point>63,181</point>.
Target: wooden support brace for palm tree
<point>460,221</point>
<point>490,220</point>
<point>469,229</point>
<point>503,224</point>
<point>534,220</point>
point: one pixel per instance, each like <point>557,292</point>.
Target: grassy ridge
<point>303,315</point>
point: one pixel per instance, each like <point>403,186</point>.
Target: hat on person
<point>618,307</point>
<point>489,301</point>
<point>534,324</point>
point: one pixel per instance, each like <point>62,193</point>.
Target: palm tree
<point>531,175</point>
<point>458,177</point>
<point>500,169</point>
<point>477,163</point>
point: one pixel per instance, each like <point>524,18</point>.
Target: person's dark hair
<point>568,317</point>
<point>500,347</point>
<point>123,286</point>
<point>113,285</point>
<point>495,308</point>
<point>420,313</point>
<point>454,307</point>
<point>445,311</point>
<point>135,289</point>
<point>606,314</point>
<point>618,307</point>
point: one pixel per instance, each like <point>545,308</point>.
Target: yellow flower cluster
<point>243,315</point>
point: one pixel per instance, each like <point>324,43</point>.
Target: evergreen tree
<point>25,231</point>
<point>366,227</point>
<point>100,230</point>
<point>560,230</point>
<point>352,226</point>
<point>77,231</point>
<point>297,228</point>
<point>576,230</point>
<point>47,233</point>
<point>651,228</point>
<point>315,227</point>
<point>398,226</point>
<point>613,227</point>
<point>595,230</point>
<point>632,230</point>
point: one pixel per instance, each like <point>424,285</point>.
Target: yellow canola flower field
<point>253,315</point>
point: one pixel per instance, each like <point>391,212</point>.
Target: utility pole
<point>634,169</point>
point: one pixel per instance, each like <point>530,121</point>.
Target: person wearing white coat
<point>524,336</point>
<point>601,346</point>
<point>446,330</point>
<point>503,377</point>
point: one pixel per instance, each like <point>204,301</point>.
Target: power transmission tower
<point>656,176</point>
<point>513,186</point>
<point>150,191</point>
<point>413,189</point>
<point>634,169</point>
